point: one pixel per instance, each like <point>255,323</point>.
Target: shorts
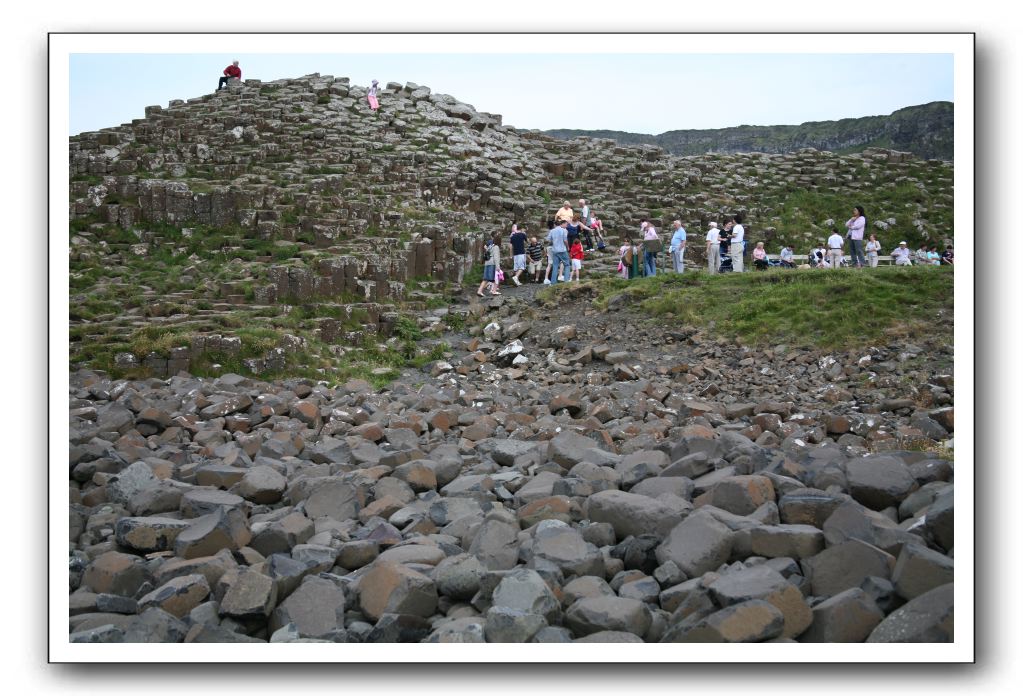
<point>577,264</point>
<point>519,262</point>
<point>534,266</point>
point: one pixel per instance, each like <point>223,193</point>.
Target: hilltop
<point>925,131</point>
<point>283,226</point>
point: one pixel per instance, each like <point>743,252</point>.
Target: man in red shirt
<point>230,71</point>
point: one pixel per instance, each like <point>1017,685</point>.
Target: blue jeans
<point>857,252</point>
<point>561,257</point>
<point>649,263</point>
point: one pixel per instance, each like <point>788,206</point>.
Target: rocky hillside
<point>283,228</point>
<point>924,130</point>
<point>566,474</point>
<point>290,420</point>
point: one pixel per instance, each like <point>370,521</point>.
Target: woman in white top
<point>873,248</point>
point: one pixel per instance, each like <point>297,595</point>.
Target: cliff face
<point>925,131</point>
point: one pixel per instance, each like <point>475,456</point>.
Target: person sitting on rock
<point>231,72</point>
<point>564,213</point>
<point>949,256</point>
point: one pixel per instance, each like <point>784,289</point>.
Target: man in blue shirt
<point>558,239</point>
<point>678,246</point>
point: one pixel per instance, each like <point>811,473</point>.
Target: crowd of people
<point>572,234</point>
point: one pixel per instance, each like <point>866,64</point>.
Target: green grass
<point>806,308</point>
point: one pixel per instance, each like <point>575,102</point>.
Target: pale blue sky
<point>641,93</point>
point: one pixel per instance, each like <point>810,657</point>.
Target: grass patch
<point>822,309</point>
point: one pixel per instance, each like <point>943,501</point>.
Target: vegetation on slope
<point>801,308</point>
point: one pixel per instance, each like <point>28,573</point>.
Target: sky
<point>639,92</point>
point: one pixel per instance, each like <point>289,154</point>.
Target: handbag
<point>499,276</point>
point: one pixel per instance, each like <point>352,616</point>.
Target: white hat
<point>901,243</point>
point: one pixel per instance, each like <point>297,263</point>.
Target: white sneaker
<point>546,281</point>
<point>516,281</point>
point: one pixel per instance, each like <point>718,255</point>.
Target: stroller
<point>726,259</point>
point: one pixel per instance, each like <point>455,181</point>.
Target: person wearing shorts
<point>518,245</point>
<point>535,253</point>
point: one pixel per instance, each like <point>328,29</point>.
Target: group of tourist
<point>570,235</point>
<point>573,233</point>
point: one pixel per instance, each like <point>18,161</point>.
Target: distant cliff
<point>924,130</point>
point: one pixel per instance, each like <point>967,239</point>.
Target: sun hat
<point>901,243</point>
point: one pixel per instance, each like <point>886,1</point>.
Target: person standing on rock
<point>713,249</point>
<point>564,213</point>
<point>535,253</point>
<point>493,261</point>
<point>873,249</point>
<point>651,248</point>
<point>735,250</point>
<point>678,246</point>
<point>835,244</point>
<point>231,72</point>
<point>575,254</point>
<point>558,240</point>
<point>518,245</point>
<point>855,226</point>
<point>574,226</point>
<point>584,211</point>
<point>371,96</point>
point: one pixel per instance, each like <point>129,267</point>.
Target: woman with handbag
<point>491,266</point>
